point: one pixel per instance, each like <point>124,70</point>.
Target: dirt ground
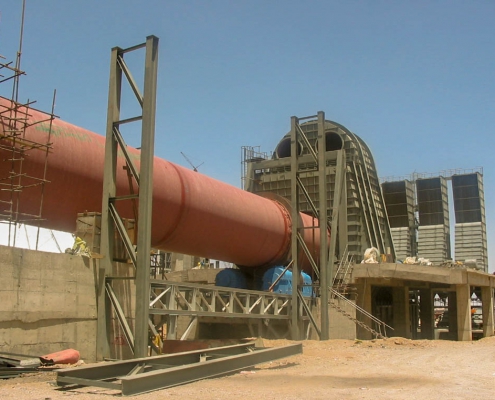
<point>393,368</point>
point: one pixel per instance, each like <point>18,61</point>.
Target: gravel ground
<point>393,368</point>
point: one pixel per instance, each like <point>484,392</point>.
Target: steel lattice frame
<point>111,221</point>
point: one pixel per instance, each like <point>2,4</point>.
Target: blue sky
<point>414,79</point>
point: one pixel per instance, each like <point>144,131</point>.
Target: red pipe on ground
<point>192,213</point>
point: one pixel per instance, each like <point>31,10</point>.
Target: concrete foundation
<point>374,281</point>
<point>47,303</point>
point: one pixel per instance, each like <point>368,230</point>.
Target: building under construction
<point>315,208</point>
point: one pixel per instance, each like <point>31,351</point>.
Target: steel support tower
<point>112,222</point>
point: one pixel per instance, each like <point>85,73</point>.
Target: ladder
<point>343,274</point>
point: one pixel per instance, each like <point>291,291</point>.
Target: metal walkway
<point>173,299</point>
<point>180,298</point>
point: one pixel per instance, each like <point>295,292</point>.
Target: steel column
<point>322,214</point>
<point>145,197</point>
<point>336,208</point>
<point>295,328</point>
<point>144,179</point>
<point>323,221</point>
<point>109,191</point>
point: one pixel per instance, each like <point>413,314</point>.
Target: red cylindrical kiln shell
<point>192,213</point>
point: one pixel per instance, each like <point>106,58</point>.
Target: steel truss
<point>111,221</point>
<point>171,300</point>
<point>159,372</point>
<point>180,298</point>
<point>323,268</point>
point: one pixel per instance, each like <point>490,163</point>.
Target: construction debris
<point>19,360</point>
<point>370,256</point>
<point>69,356</point>
<point>417,261</point>
<point>13,365</point>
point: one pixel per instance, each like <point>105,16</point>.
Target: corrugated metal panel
<point>470,228</point>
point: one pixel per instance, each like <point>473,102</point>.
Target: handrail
<point>361,310</point>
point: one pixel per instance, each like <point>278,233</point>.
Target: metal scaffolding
<point>250,154</point>
<point>21,183</point>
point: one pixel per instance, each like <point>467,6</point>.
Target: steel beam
<point>174,376</point>
<point>323,221</point>
<point>145,197</point>
<point>114,370</point>
<point>152,373</point>
<point>180,298</point>
<point>295,330</point>
<point>109,191</point>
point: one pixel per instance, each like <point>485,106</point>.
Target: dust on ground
<point>394,368</point>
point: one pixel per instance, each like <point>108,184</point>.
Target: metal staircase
<point>341,288</point>
<point>342,276</point>
<point>380,331</point>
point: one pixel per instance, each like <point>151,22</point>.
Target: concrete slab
<point>422,273</point>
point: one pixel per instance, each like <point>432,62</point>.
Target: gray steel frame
<point>325,257</point>
<point>327,252</point>
<point>144,178</point>
<point>174,299</point>
<point>152,373</point>
<point>180,298</point>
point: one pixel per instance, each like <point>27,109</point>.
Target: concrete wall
<point>340,325</point>
<point>47,303</point>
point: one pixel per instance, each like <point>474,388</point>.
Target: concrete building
<point>403,296</point>
<point>419,212</point>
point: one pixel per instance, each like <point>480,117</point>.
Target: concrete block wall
<point>47,303</point>
<point>340,326</point>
